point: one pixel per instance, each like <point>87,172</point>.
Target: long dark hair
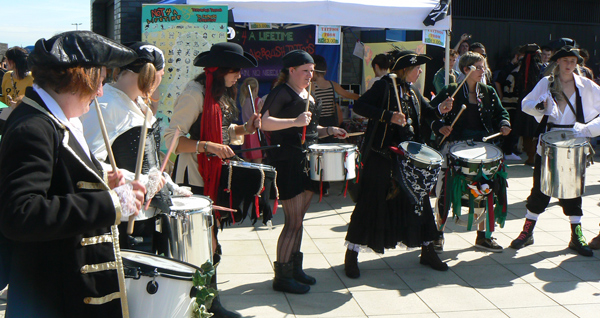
<point>18,56</point>
<point>224,95</point>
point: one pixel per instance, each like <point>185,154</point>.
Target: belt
<point>550,126</point>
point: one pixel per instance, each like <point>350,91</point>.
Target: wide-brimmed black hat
<point>226,54</point>
<point>405,58</point>
<point>147,53</point>
<point>566,51</point>
<point>83,48</point>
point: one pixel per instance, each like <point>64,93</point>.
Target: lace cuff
<point>127,200</point>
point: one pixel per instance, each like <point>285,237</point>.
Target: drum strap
<point>579,113</point>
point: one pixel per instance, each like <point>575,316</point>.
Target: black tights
<point>290,238</point>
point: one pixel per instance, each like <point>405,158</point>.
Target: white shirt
<point>74,124</point>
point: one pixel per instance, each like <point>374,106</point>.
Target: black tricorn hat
<point>83,48</point>
<point>147,53</point>
<point>566,51</point>
<point>405,58</point>
<point>225,54</point>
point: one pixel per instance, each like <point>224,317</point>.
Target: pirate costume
<point>385,215</point>
<point>60,216</point>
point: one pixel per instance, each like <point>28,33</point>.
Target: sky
<point>23,22</point>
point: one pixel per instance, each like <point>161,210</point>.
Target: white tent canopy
<point>394,14</point>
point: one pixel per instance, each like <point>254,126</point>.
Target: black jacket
<point>59,219</point>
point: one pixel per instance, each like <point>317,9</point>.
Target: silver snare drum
<point>332,162</point>
<point>564,159</point>
<point>470,156</point>
<point>191,224</point>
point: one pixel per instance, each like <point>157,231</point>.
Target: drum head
<point>421,152</point>
<point>332,147</point>
<point>563,139</point>
<point>193,203</point>
<point>149,262</point>
<point>476,152</point>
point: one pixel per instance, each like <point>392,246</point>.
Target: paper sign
<point>328,34</point>
<point>434,37</point>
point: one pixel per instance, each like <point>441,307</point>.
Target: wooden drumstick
<point>138,164</point>
<point>253,108</point>
<point>498,134</point>
<point>462,109</point>
<point>111,156</point>
<point>307,105</point>
<point>393,77</point>
<point>354,134</point>
<point>471,69</point>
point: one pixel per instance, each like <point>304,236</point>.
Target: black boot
<point>431,258</point>
<point>299,274</point>
<point>217,308</point>
<point>526,236</point>
<point>284,279</point>
<point>351,264</point>
<point>578,242</point>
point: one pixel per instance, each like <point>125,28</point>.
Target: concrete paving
<point>545,279</point>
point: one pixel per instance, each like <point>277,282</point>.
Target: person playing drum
<point>124,106</point>
<point>206,111</point>
<point>384,214</point>
<point>284,115</point>
<point>562,100</point>
<point>483,116</point>
<point>59,214</point>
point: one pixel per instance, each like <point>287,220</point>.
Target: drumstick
<point>471,69</point>
<point>222,208</point>
<point>253,109</point>
<point>349,135</point>
<point>307,105</point>
<point>462,109</point>
<point>138,164</point>
<point>498,134</point>
<point>393,77</point>
<point>111,156</point>
<point>164,164</point>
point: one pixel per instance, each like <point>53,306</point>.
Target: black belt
<point>551,126</point>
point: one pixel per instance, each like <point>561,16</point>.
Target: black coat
<point>59,220</point>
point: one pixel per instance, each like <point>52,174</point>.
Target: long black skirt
<point>380,223</point>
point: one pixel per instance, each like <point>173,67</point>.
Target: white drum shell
<point>331,160</point>
<point>172,299</point>
<point>191,224</point>
<point>470,156</point>
<point>564,160</point>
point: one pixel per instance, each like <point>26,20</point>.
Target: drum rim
<point>584,140</point>
<point>414,158</point>
<point>196,196</point>
<point>165,270</point>
<point>249,165</point>
<point>341,148</point>
<point>468,160</point>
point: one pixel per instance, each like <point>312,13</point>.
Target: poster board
<point>181,32</point>
<point>372,49</point>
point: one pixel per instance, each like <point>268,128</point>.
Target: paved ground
<point>542,280</point>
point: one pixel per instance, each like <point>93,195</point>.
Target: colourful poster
<point>372,49</point>
<point>182,32</point>
<point>328,34</point>
<point>434,37</point>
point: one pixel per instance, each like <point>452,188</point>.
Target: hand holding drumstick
<point>446,130</point>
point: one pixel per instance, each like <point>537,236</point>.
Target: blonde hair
<point>403,73</point>
<point>244,93</point>
<point>556,88</point>
<point>146,79</point>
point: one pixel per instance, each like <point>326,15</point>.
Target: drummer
<point>385,214</point>
<point>562,100</point>
<point>124,106</point>
<point>205,112</point>
<point>285,114</point>
<point>60,214</point>
<point>483,116</point>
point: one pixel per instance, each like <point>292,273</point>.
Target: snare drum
<point>191,224</point>
<point>242,183</point>
<point>332,162</point>
<point>419,170</point>
<point>158,287</point>
<point>470,156</point>
<point>564,160</point>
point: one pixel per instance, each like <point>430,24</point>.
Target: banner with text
<point>328,34</point>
